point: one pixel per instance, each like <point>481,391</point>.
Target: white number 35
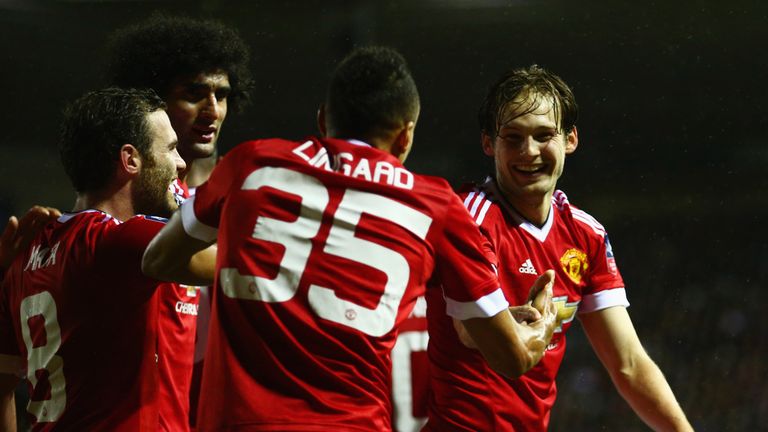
<point>295,236</point>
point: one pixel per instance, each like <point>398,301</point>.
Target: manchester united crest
<point>574,264</point>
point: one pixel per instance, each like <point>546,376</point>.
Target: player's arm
<point>512,348</point>
<point>635,375</point>
<point>19,233</point>
<point>526,313</point>
<point>8,384</point>
<point>173,255</point>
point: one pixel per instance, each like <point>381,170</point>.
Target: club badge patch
<point>574,264</point>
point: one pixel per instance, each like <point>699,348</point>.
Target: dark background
<point>671,156</point>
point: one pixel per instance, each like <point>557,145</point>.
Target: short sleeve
<point>200,214</point>
<point>606,286</point>
<point>465,267</point>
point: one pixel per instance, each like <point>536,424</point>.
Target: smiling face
<point>160,167</point>
<point>197,107</point>
<point>529,153</point>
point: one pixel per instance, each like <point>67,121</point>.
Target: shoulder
<point>93,223</point>
<point>578,218</point>
<point>132,235</point>
<point>481,203</point>
<point>437,184</point>
<point>260,146</point>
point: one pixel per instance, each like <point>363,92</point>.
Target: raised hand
<point>19,233</point>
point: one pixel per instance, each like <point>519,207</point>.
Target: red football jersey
<point>323,248</point>
<point>410,372</point>
<point>467,393</point>
<point>79,320</point>
<point>178,310</point>
<point>177,318</point>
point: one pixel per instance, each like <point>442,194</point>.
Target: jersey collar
<point>539,233</point>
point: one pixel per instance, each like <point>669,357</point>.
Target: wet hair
<point>371,91</point>
<point>155,52</point>
<point>96,126</point>
<point>520,92</point>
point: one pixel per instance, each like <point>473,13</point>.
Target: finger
<point>530,313</point>
<point>7,251</point>
<point>548,277</point>
<point>10,230</point>
<point>43,216</point>
<point>31,223</point>
<point>552,308</point>
<point>541,283</point>
<point>36,217</point>
<point>54,213</point>
<point>33,214</point>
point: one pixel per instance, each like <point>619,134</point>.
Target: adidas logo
<point>527,267</point>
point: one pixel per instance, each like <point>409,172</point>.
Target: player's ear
<point>321,120</point>
<point>130,159</point>
<point>487,142</point>
<point>403,141</point>
<point>571,141</point>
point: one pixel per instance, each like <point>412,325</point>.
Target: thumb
<point>541,291</point>
<point>542,282</point>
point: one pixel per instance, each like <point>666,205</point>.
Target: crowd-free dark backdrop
<point>671,157</point>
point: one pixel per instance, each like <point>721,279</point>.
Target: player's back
<point>82,318</point>
<point>324,246</point>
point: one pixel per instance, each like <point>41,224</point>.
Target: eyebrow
<point>195,86</point>
<point>508,127</point>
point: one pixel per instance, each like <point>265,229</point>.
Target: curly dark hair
<point>371,90</point>
<point>520,91</point>
<point>154,52</point>
<point>96,126</point>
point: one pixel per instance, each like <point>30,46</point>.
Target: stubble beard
<point>152,195</point>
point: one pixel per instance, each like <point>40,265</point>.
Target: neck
<point>116,202</point>
<point>534,208</point>
<point>198,171</point>
<point>379,141</point>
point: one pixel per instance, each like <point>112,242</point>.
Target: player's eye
<point>511,138</point>
<point>194,96</point>
<point>222,94</point>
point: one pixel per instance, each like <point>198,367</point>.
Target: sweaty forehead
<point>529,106</point>
<point>213,80</point>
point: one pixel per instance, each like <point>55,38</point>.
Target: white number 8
<point>341,242</point>
<point>44,356</point>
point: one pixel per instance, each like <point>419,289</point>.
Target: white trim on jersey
<point>468,199</point>
<point>358,142</point>
<point>475,199</point>
<point>407,343</point>
<point>560,199</point>
<point>587,219</point>
<point>65,217</point>
<point>193,226</point>
<point>603,300</point>
<point>11,365</point>
<point>483,211</point>
<point>539,233</point>
<point>484,307</point>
